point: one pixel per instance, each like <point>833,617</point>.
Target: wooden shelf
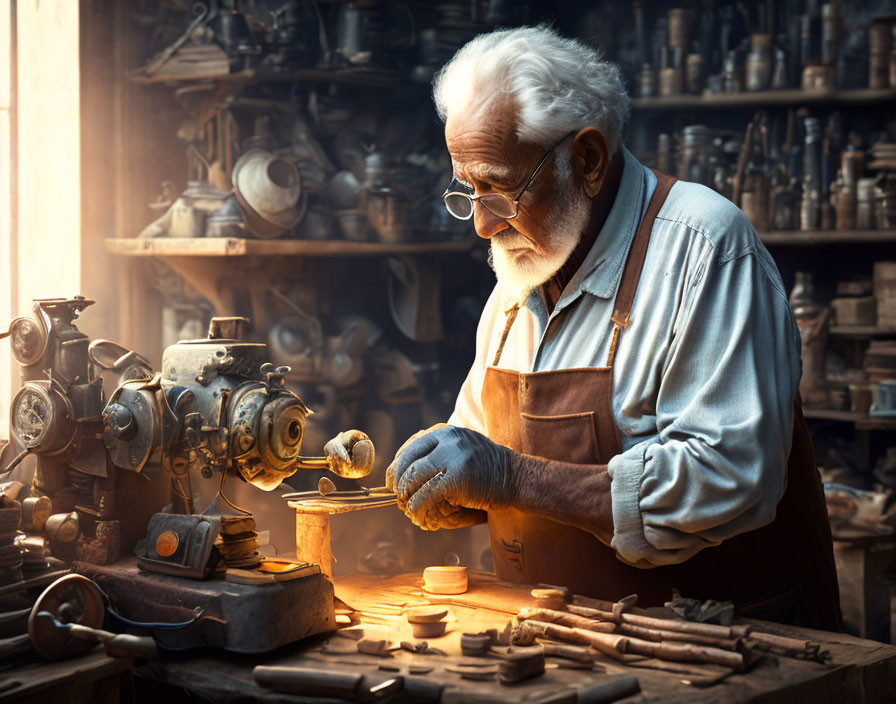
<point>862,421</point>
<point>865,332</point>
<point>235,247</point>
<point>788,97</point>
<point>374,78</point>
<point>821,237</point>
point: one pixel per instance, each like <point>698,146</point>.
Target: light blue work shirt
<point>704,377</point>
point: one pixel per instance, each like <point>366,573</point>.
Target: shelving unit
<point>862,421</point>
<point>862,332</point>
<point>347,76</point>
<point>766,98</point>
<point>798,248</point>
<point>164,247</point>
<point>824,237</point>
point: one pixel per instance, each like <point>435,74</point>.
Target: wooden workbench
<point>860,671</point>
<point>94,677</point>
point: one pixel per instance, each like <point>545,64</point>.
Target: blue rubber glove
<point>450,468</point>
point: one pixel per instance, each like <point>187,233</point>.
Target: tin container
<point>732,74</point>
<point>830,34</point>
<point>693,162</point>
<point>885,208</point>
<point>844,202</point>
<point>865,204</point>
<point>809,211</point>
<point>694,73</point>
<point>646,82</point>
<point>760,62</point>
<point>818,77</point>
<point>679,22</point>
<point>671,82</point>
<point>880,36</point>
<point>852,164</point>
<point>884,278</point>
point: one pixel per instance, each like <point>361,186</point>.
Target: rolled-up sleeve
<point>724,417</point>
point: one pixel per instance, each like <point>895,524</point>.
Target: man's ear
<point>590,159</point>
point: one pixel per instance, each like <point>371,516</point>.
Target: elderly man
<point>630,422</point>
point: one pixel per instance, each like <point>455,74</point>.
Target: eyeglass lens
<point>461,206</point>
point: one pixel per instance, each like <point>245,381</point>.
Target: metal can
<point>646,82</point>
<point>852,164</point>
<point>694,76</point>
<point>809,211</point>
<point>693,162</point>
<point>865,203</point>
<point>845,207</point>
<point>678,27</point>
<point>732,74</point>
<point>671,82</point>
<point>759,63</point>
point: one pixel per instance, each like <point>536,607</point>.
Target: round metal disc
<point>32,415</point>
<point>71,599</point>
<point>28,340</point>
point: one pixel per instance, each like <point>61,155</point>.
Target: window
<point>7,280</point>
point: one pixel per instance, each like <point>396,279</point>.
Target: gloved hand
<point>450,468</point>
<point>351,454</point>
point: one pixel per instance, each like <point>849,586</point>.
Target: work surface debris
<point>511,643</point>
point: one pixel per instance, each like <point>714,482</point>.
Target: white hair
<point>561,85</point>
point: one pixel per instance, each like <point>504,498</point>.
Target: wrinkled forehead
<point>481,138</point>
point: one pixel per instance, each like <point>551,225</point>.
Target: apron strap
<point>631,274</point>
<point>511,316</point>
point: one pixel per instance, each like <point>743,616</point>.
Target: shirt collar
<point>602,268</point>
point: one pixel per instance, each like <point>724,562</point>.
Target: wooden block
<point>445,579</point>
<point>520,665</point>
<point>474,644</point>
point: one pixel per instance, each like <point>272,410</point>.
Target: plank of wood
<point>821,237</point>
<point>236,247</point>
<point>766,97</point>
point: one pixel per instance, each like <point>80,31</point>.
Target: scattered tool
<point>607,692</point>
<point>66,618</point>
<point>617,646</point>
<point>347,685</point>
<point>421,648</point>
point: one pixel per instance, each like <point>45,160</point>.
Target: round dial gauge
<point>32,416</point>
<point>28,340</point>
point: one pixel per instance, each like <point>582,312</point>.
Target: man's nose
<point>487,224</point>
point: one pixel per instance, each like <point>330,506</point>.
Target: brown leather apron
<point>784,571</point>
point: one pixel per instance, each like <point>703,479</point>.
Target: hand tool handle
<point>332,683</point>
<point>15,645</point>
<point>607,692</point>
<point>120,645</point>
<point>125,645</point>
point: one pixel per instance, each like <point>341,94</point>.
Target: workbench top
<point>859,670</point>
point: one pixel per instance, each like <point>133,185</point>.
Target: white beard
<point>520,268</point>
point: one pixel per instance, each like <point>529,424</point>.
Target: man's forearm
<point>575,494</point>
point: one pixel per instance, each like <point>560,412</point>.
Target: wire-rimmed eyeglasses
<point>460,202</point>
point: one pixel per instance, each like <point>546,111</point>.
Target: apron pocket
<point>566,438</point>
